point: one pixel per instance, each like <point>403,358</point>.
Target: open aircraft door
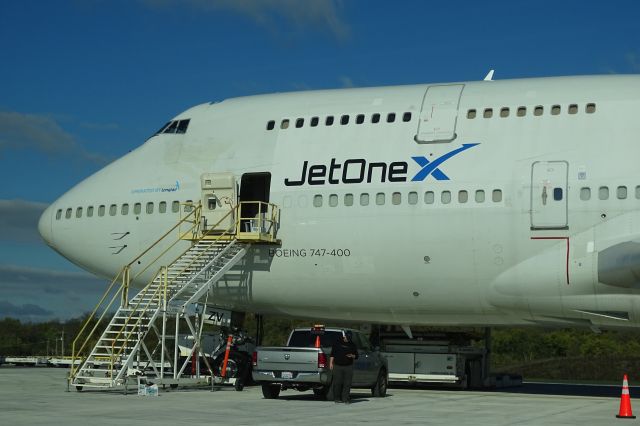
<point>549,202</point>
<point>219,197</point>
<point>439,114</point>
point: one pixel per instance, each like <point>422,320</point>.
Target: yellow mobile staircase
<point>136,341</point>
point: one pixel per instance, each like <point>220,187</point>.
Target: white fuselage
<point>532,221</point>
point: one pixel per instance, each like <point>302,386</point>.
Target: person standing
<point>343,353</point>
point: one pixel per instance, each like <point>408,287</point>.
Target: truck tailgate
<point>287,359</point>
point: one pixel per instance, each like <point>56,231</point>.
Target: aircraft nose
<point>44,225</point>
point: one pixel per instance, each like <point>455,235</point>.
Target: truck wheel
<point>270,391</point>
<point>379,389</point>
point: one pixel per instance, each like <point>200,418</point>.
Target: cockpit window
<point>162,128</point>
<point>171,128</point>
<point>182,126</point>
<point>175,127</point>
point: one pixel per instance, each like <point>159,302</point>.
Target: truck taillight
<point>254,359</point>
<point>322,360</point>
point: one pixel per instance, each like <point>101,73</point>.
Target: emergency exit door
<point>549,202</point>
<point>218,201</point>
<point>439,114</point>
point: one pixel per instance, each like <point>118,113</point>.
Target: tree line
<point>533,352</point>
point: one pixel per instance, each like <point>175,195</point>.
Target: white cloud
<point>40,133</point>
<point>19,220</point>
<point>323,14</point>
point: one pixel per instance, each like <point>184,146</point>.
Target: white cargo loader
<point>435,358</point>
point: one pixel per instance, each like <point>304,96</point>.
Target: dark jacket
<point>341,349</point>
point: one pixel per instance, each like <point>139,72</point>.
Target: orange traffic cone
<point>625,402</point>
<point>317,341</point>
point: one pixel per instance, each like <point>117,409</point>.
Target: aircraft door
<point>439,114</point>
<point>254,193</point>
<point>549,202</point>
<point>218,199</point>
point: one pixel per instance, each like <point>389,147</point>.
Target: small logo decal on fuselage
<point>167,188</point>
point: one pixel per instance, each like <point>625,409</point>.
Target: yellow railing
<point>253,220</point>
<point>124,276</point>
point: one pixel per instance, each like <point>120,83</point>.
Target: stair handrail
<point>123,290</point>
<point>75,355</point>
<point>158,293</point>
<point>197,208</point>
<point>161,291</point>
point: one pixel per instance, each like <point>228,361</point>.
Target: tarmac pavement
<point>38,396</point>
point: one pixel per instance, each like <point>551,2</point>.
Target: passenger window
<point>406,117</point>
<point>585,193</point>
<point>538,111</point>
<point>68,213</point>
<point>622,192</point>
<point>175,207</point>
<point>603,193</point>
<point>445,197</point>
<point>590,108</point>
<point>90,211</point>
<point>364,199</point>
<point>496,196</point>
<point>359,118</point>
<point>375,118</point>
<point>555,110</point>
<point>183,125</point>
<point>329,121</point>
<point>124,210</point>
<point>58,214</point>
<point>348,200</point>
<point>471,114</point>
<point>396,198</point>
<point>113,209</point>
<point>187,208</point>
<point>271,125</point>
<point>333,200</point>
<point>162,207</point>
<point>137,208</point>
<point>504,112</point>
<point>101,210</point>
<point>344,120</point>
<point>573,109</point>
<point>488,113</point>
<point>479,196</point>
<point>557,194</point>
<point>299,122</point>
<point>463,197</point>
<point>522,111</point>
<point>317,201</point>
<point>314,121</point>
<point>413,198</point>
<point>391,117</point>
<point>429,197</point>
<point>79,212</point>
<point>380,198</point>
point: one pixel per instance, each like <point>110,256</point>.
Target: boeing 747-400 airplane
<point>475,203</point>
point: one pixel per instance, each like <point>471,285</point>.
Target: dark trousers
<point>342,377</point>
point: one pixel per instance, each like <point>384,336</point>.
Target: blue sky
<point>84,81</point>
